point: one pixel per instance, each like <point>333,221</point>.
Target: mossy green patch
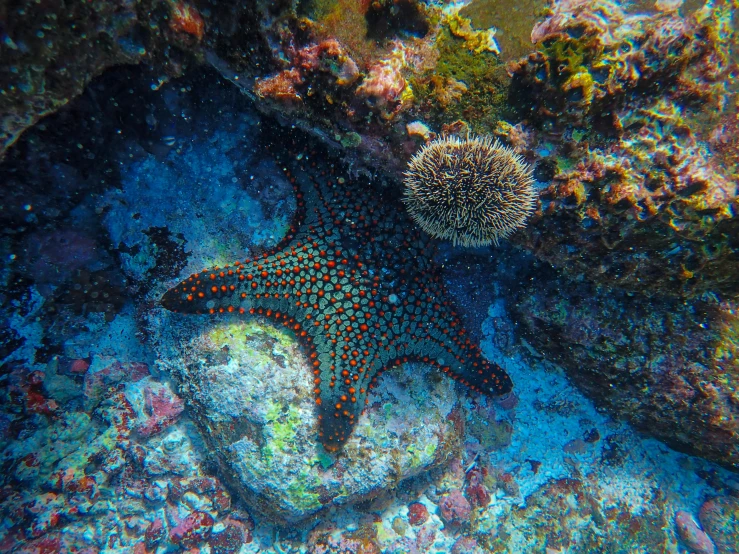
<point>481,101</point>
<point>302,493</point>
<point>282,426</point>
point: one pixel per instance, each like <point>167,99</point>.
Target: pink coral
<point>163,409</point>
<point>384,86</point>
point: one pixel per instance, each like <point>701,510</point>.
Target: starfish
<point>355,281</point>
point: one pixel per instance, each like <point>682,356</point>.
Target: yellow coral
<point>477,41</point>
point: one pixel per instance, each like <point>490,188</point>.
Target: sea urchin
<point>474,191</point>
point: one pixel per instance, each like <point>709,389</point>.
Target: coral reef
<point>81,477</point>
<point>473,191</point>
<point>668,367</point>
<point>638,201</point>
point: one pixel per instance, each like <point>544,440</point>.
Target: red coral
<point>192,530</point>
<point>163,409</point>
<point>417,514</point>
<point>476,491</point>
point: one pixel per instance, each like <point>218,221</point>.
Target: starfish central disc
<point>356,284</point>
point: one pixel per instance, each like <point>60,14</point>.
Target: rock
<point>720,519</point>
<point>455,508</point>
<point>692,535</point>
<point>248,387</point>
<point>667,367</point>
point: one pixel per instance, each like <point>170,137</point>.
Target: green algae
<point>301,491</point>
<point>283,424</point>
<point>481,99</point>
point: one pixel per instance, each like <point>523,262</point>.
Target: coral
<point>417,514</point>
<point>475,491</point>
<point>720,518</point>
<point>317,69</point>
<point>384,87</point>
<point>372,324</point>
<point>474,191</point>
<point>692,535</point>
<point>654,210</point>
<point>455,508</point>
<point>184,18</point>
<point>192,530</point>
<point>624,106</point>
<point>666,366</point>
<point>163,409</point>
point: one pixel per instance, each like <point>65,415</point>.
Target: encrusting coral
<point>474,191</point>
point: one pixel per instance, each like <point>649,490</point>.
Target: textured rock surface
<point>667,367</point>
<point>624,107</point>
<point>249,389</point>
<point>720,519</point>
<point>51,51</point>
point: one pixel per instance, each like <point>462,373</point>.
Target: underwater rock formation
<point>248,388</point>
<point>619,103</point>
<point>50,52</point>
<point>667,367</point>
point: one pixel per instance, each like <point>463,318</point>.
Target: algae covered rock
<point>249,389</point>
<point>667,367</point>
